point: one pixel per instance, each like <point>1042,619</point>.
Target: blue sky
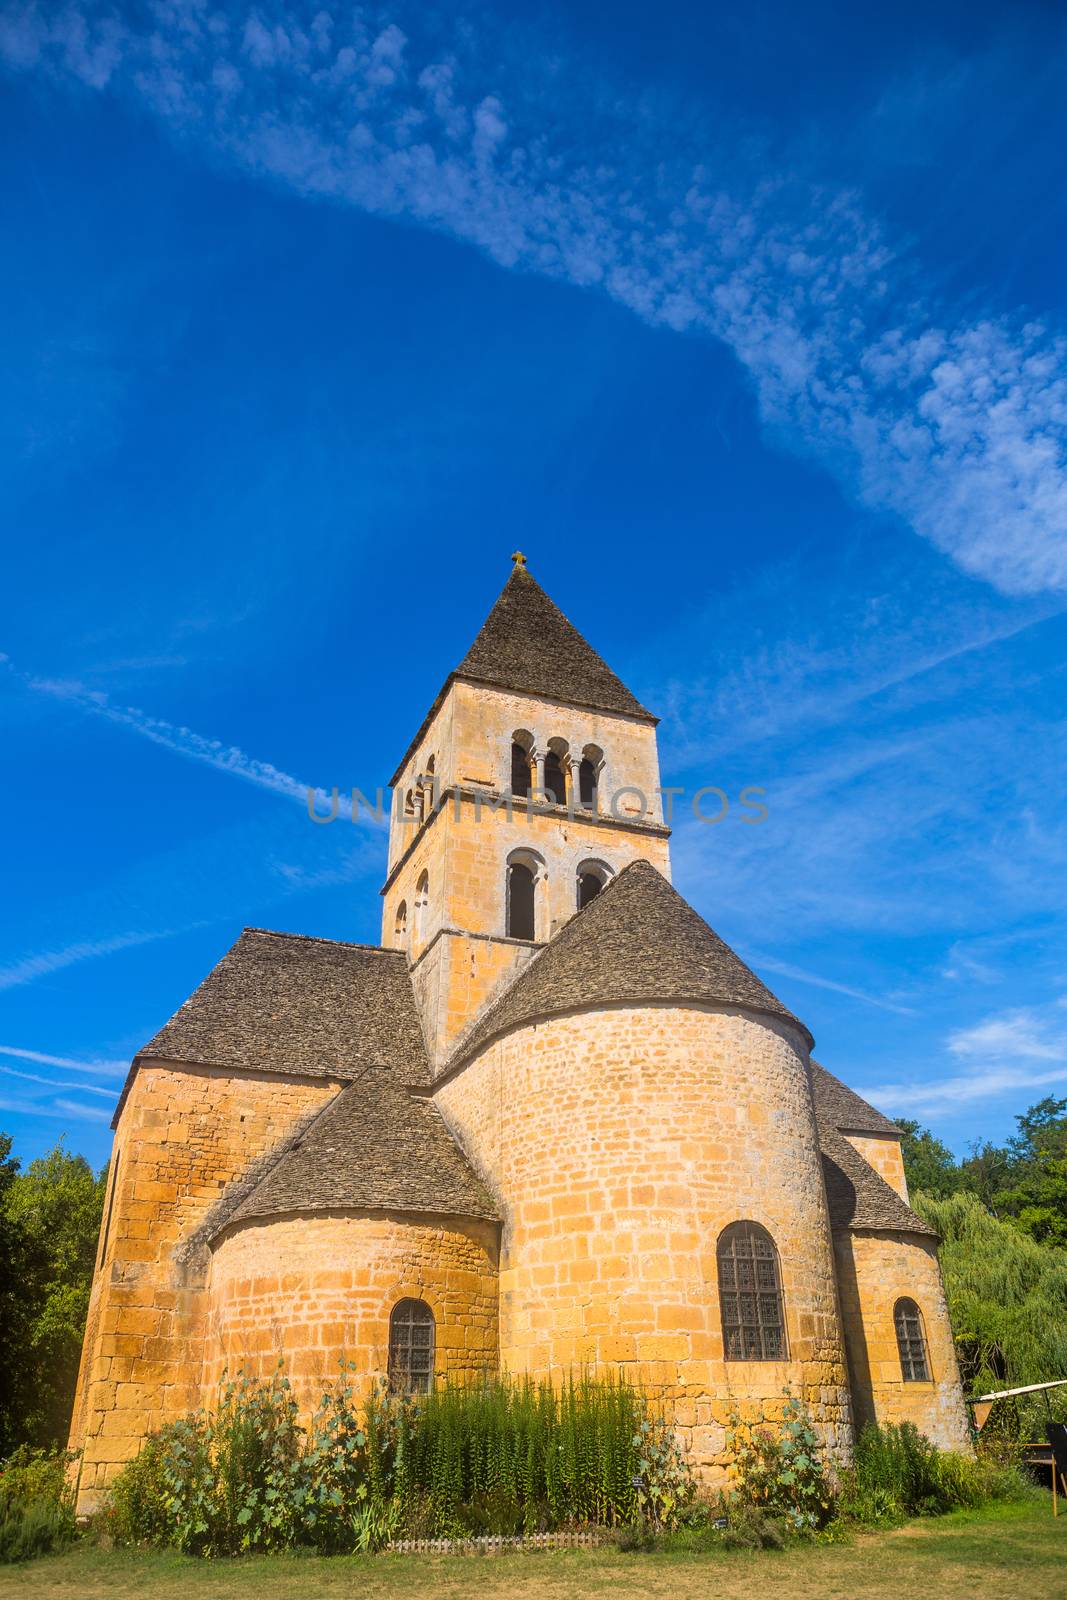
<point>746,323</point>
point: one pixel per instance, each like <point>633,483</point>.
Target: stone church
<point>552,1121</point>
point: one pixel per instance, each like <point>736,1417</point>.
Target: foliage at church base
<point>504,1457</point>
<point>36,1504</point>
<point>898,1473</point>
<point>780,1481</point>
<point>49,1222</point>
<point>781,1470</point>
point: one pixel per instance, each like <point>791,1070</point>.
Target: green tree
<point>986,1173</point>
<point>929,1165</point>
<point>10,1307</point>
<point>49,1223</point>
<point>1007,1294</point>
<point>1035,1193</point>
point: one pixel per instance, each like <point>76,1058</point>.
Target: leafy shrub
<point>751,1527</point>
<point>500,1457</point>
<point>36,1503</point>
<point>514,1456</point>
<point>898,1472</point>
<point>138,1509</point>
<point>780,1471</point>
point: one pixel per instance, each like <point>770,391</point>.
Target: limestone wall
<point>464,852</point>
<point>316,1290</point>
<point>469,741</point>
<point>874,1271</point>
<point>183,1135</point>
<point>882,1152</point>
<point>621,1142</point>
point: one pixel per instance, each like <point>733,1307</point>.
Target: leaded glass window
<point>911,1342</point>
<point>750,1294</point>
<point>411,1347</point>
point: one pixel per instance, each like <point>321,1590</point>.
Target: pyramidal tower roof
<point>638,941</point>
<point>526,643</point>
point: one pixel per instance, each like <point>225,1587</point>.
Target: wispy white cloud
<point>943,1096</point>
<point>58,1109</point>
<point>81,1113</point>
<point>1016,1050</point>
<point>786,969</point>
<point>71,1063</point>
<point>958,425</point>
<point>49,1083</point>
<point>192,746</point>
<point>1010,1036</point>
<point>27,969</point>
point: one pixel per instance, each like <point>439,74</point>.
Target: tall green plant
<point>502,1457</point>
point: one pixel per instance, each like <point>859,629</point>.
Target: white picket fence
<point>499,1545</point>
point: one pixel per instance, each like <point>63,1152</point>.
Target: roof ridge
<point>316,938</point>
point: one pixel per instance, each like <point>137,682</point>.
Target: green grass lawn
<point>1003,1551</point>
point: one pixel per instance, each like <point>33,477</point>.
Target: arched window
<point>521,747</point>
<point>586,784</point>
<point>592,876</point>
<point>422,901</point>
<point>911,1342</point>
<point>400,930</point>
<point>411,1347</point>
<point>521,918</point>
<point>555,777</point>
<point>750,1294</point>
<point>588,775</point>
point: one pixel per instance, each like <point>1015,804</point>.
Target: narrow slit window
<point>422,904</point>
<point>521,920</point>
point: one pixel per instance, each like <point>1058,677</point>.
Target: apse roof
<point>375,1146</point>
<point>835,1102</point>
<point>637,941</point>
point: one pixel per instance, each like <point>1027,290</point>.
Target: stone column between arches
<point>621,1142</point>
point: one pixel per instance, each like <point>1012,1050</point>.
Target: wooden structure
<point>1053,1453</point>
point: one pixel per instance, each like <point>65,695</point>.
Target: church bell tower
<point>532,781</point>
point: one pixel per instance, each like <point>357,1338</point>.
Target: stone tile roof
<point>841,1106</point>
<point>858,1198</point>
<point>375,1146</point>
<point>637,941</point>
<point>526,643</point>
<point>281,1002</point>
